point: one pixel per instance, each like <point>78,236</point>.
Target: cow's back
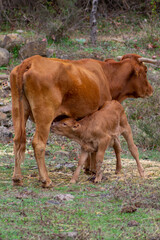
<point>75,88</point>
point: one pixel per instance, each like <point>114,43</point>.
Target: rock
<point>12,40</point>
<point>6,109</point>
<point>64,197</point>
<point>128,209</point>
<point>69,235</point>
<point>19,31</point>
<point>3,116</point>
<point>5,134</point>
<point>59,166</point>
<point>156,237</point>
<point>33,48</point>
<point>70,166</point>
<point>4,57</point>
<point>132,223</point>
<point>4,76</point>
<point>50,52</point>
<point>61,153</point>
<point>53,202</point>
<point>72,234</point>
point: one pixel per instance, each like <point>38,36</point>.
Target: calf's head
<point>67,127</point>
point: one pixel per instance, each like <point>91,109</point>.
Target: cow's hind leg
<point>127,134</point>
<point>19,140</point>
<point>39,146</point>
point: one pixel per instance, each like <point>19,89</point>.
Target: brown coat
<point>45,89</point>
<point>96,132</point>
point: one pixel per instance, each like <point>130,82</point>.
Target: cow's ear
<point>76,126</point>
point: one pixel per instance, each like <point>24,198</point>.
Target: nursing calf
<point>96,132</point>
<point>46,88</point>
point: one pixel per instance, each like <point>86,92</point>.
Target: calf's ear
<point>75,126</point>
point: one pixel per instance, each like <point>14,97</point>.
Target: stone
<point>59,166</point>
<point>132,223</point>
<point>19,31</point>
<point>12,40</point>
<point>70,235</point>
<point>5,134</point>
<point>128,208</point>
<point>61,153</point>
<point>64,197</point>
<point>50,52</point>
<point>6,109</point>
<point>4,57</point>
<point>4,76</point>
<point>70,166</point>
<point>3,116</point>
<point>33,48</point>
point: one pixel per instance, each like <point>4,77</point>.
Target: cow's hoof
<point>47,184</point>
<point>73,181</point>
<point>17,181</point>
<point>117,172</point>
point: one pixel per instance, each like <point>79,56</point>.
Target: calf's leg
<point>90,164</point>
<point>103,145</point>
<point>81,161</point>
<point>127,134</point>
<point>117,149</point>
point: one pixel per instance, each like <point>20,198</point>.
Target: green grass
<point>31,212</point>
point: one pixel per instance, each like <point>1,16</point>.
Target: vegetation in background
<point>122,207</point>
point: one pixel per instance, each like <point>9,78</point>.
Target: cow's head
<point>67,127</point>
<point>137,84</point>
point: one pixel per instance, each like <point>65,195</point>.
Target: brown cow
<point>95,133</point>
<point>45,88</point>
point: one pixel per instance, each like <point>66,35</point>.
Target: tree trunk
<point>93,21</point>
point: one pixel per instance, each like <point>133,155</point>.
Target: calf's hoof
<point>97,180</point>
<point>47,183</point>
<point>142,173</point>
<point>73,181</point>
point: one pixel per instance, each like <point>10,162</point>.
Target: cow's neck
<point>117,75</point>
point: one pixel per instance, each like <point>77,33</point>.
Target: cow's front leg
<point>39,145</point>
<point>81,161</point>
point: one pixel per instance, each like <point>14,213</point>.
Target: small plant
<point>15,51</point>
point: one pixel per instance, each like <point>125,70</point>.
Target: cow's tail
<point>16,80</point>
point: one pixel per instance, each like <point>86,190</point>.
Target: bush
<point>144,117</point>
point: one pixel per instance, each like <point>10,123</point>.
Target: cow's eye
<point>64,124</point>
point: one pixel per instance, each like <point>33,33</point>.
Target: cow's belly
<point>78,109</point>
